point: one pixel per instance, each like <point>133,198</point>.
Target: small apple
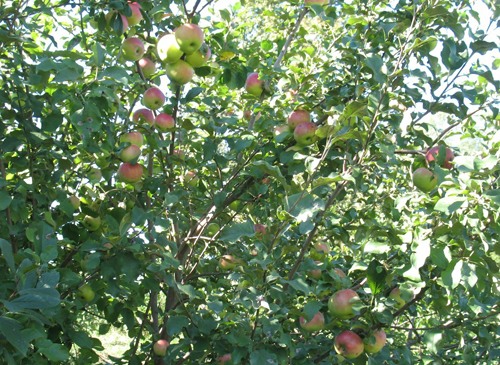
<point>85,293</point>
<point>135,138</point>
<point>130,173</point>
<point>253,85</point>
<point>305,133</point>
<point>168,49</point>
<point>315,2</point>
<point>191,178</point>
<point>109,16</point>
<point>136,16</point>
<point>148,67</point>
<point>212,229</point>
<point>247,114</point>
<point>349,345</point>
<point>228,262</point>
<point>189,37</point>
<point>153,98</point>
<point>432,154</point>
<point>160,347</point>
<point>234,205</point>
<point>424,179</point>
<point>260,228</point>
<point>223,359</point>
<point>315,324</point>
<point>375,341</point>
<point>164,122</point>
<point>132,49</point>
<point>91,223</point>
<point>341,303</point>
<point>75,202</point>
<point>396,295</point>
<point>130,153</point>
<point>320,251</point>
<point>179,72</point>
<point>143,115</point>
<point>339,272</point>
<point>94,175</point>
<point>297,117</point>
<point>179,154</point>
<point>315,273</point>
<point>199,57</point>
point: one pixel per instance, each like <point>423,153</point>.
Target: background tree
<point>213,248</point>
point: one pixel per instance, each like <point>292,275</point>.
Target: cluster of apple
<point>425,179</point>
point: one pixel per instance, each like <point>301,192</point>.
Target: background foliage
<point>370,72</point>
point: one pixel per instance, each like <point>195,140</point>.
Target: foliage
<point>370,72</point>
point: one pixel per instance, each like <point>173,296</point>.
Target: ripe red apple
<point>315,273</point>
<point>396,295</point>
<point>179,72</point>
<point>305,133</point>
<point>341,303</point>
<point>339,273</point>
<point>92,223</point>
<point>247,114</point>
<point>168,49</point>
<point>432,154</point>
<point>199,57</point>
<point>130,173</point>
<point>191,178</point>
<point>94,175</point>
<point>153,98</point>
<point>136,16</point>
<point>160,347</point>
<point>74,201</point>
<point>297,117</point>
<point>319,251</point>
<point>164,122</point>
<point>132,49</point>
<point>189,37</point>
<point>148,67</point>
<point>260,228</point>
<point>424,179</point>
<point>109,16</point>
<point>253,85</point>
<point>224,358</point>
<point>228,262</point>
<point>130,153</point>
<point>349,345</point>
<point>315,2</point>
<point>315,324</point>
<point>135,138</point>
<point>375,341</point>
<point>143,115</point>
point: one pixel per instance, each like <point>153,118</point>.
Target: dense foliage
<point>383,80</point>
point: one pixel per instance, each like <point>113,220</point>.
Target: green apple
<point>396,295</point>
<point>75,202</point>
<point>200,57</point>
<point>305,133</point>
<point>191,178</point>
<point>189,37</point>
<point>179,72</point>
<point>315,2</point>
<point>92,223</point>
<point>85,293</point>
<point>168,49</point>
<point>319,251</point>
<point>234,205</point>
<point>424,179</point>
<point>132,49</point>
<point>94,175</point>
<point>212,229</point>
<point>130,173</point>
<point>228,262</point>
<point>130,153</point>
<point>153,98</point>
<point>253,85</point>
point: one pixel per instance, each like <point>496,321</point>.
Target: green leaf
<point>11,329</point>
<point>237,230</point>
<point>305,206</point>
<point>175,324</point>
<point>453,274</point>
<point>376,64</point>
<point>355,109</point>
<point>261,357</point>
<point>449,204</point>
<point>483,46</point>
<point>433,340</point>
<point>38,298</point>
<point>53,351</point>
<point>5,200</point>
<point>273,171</point>
<point>376,275</point>
<point>116,73</point>
<point>7,254</point>
<point>81,339</point>
<point>300,285</point>
<point>193,93</point>
<point>311,309</point>
<point>375,247</point>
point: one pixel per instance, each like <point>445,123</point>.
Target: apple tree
<point>254,182</point>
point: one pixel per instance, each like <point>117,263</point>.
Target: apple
<point>247,114</point>
<point>260,228</point>
<point>315,324</point>
<point>132,49</point>
<point>223,359</point>
<point>143,115</point>
<point>432,154</point>
<point>315,273</point>
<point>130,173</point>
<point>179,72</point>
<point>375,341</point>
<point>297,117</point>
<point>199,57</point>
<point>191,178</point>
<point>130,153</point>
<point>339,273</point>
<point>94,174</point>
<point>179,154</point>
<point>396,295</point>
<point>160,347</point>
<point>228,262</point>
<point>148,67</point>
<point>349,345</point>
<point>341,303</point>
<point>164,122</point>
<point>424,179</point>
<point>74,201</point>
<point>109,16</point>
<point>253,85</point>
<point>234,205</point>
<point>91,223</point>
<point>212,229</point>
<point>136,16</point>
<point>153,98</point>
<point>168,49</point>
<point>85,293</point>
<point>189,37</point>
<point>135,138</point>
<point>305,133</point>
<point>315,2</point>
<point>319,251</point>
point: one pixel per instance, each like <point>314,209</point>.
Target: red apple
<point>432,154</point>
<point>143,115</point>
<point>305,133</point>
<point>130,173</point>
<point>160,347</point>
<point>189,37</point>
<point>224,358</point>
<point>341,303</point>
<point>191,178</point>
<point>228,262</point>
<point>136,16</point>
<point>253,85</point>
<point>315,324</point>
<point>130,153</point>
<point>319,251</point>
<point>375,341</point>
<point>179,72</point>
<point>168,49</point>
<point>424,179</point>
<point>109,16</point>
<point>153,98</point>
<point>260,228</point>
<point>297,117</point>
<point>349,345</point>
<point>135,138</point>
<point>339,273</point>
<point>148,67</point>
<point>164,122</point>
<point>132,49</point>
<point>315,273</point>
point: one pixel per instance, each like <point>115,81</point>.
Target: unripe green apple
<point>305,133</point>
<point>179,72</point>
<point>85,293</point>
<point>136,16</point>
<point>92,223</point>
<point>315,273</point>
<point>253,85</point>
<point>148,67</point>
<point>396,295</point>
<point>168,49</point>
<point>130,173</point>
<point>153,98</point>
<point>320,251</point>
<point>200,57</point>
<point>234,205</point>
<point>134,138</point>
<point>191,178</point>
<point>130,153</point>
<point>212,229</point>
<point>315,2</point>
<point>133,49</point>
<point>164,122</point>
<point>189,37</point>
<point>160,347</point>
<point>341,303</point>
<point>94,175</point>
<point>424,179</point>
